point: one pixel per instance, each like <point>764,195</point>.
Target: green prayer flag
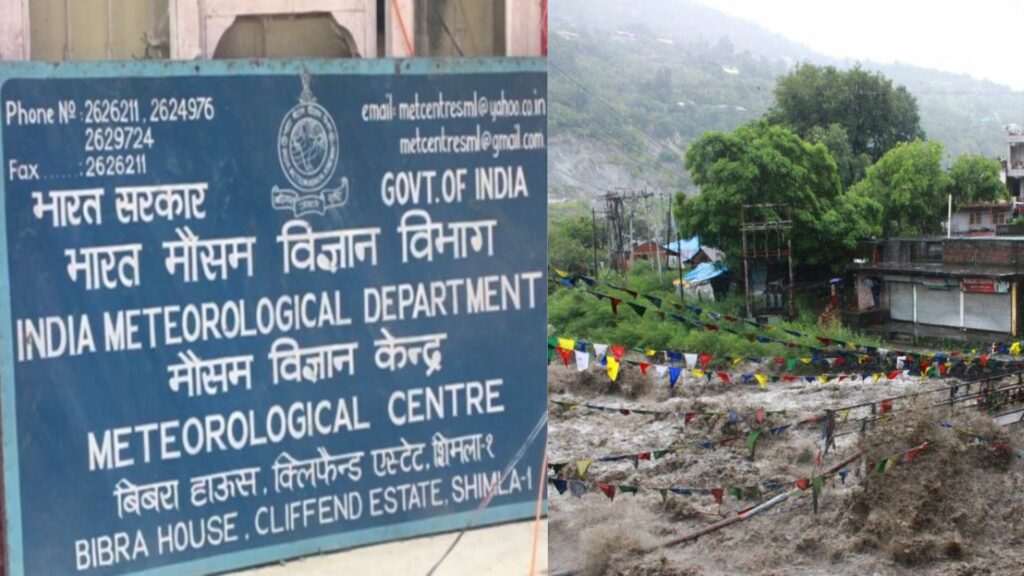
<point>880,466</point>
<point>790,363</point>
<point>752,441</point>
<point>552,342</point>
<point>628,489</point>
<point>735,491</point>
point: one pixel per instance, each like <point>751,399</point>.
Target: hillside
<point>633,83</point>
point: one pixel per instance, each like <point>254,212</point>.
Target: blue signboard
<point>256,310</point>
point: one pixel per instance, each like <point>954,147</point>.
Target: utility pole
<point>615,214</point>
<point>593,223</point>
<point>679,260</point>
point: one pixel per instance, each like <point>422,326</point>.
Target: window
<point>999,218</point>
<point>974,218</point>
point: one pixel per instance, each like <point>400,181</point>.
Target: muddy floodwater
<point>953,508</point>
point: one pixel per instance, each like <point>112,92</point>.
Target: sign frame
<point>14,554</point>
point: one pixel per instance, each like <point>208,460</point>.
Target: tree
<point>851,166</point>
<point>909,184</point>
<point>571,244</point>
<point>760,163</point>
<point>974,178</point>
<point>854,217</point>
<point>875,115</point>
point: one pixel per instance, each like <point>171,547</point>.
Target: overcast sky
<point>982,38</point>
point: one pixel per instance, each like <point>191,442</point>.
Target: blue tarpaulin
<point>686,248</point>
<point>703,273</point>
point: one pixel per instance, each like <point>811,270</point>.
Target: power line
<point>609,106</point>
<point>444,26</point>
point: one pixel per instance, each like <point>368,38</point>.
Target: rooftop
<point>942,269</point>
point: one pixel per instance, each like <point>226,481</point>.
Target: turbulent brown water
<point>955,509</point>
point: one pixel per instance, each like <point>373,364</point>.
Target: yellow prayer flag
<point>805,360</point>
<point>877,376</point>
<point>843,414</point>
<point>1015,348</point>
<point>650,352</point>
<point>823,378</point>
<point>737,360</point>
<point>762,381</point>
<point>613,368</point>
<point>889,462</point>
<point>697,373</point>
<point>583,466</point>
<point>562,273</point>
<point>567,343</point>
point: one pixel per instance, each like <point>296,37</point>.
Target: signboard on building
<point>985,285</point>
<point>251,311</point>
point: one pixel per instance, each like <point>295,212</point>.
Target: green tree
<point>910,186</point>
<point>974,178</point>
<point>875,114</point>
<point>850,165</point>
<point>760,163</point>
<point>853,217</point>
<point>571,244</point>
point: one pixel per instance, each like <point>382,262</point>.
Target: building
<point>56,30</point>
<point>943,287</point>
<point>1015,161</point>
<point>707,254</point>
<point>651,250</point>
<point>981,218</point>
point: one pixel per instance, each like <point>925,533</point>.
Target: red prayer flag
<point>723,376</point>
<point>689,416</point>
<point>643,456</point>
<point>915,451</point>
<point>718,493</point>
<point>823,340</point>
<point>759,416</point>
<point>704,359</point>
<point>780,360</point>
<point>803,483</point>
<point>790,378</point>
<point>892,375</point>
<point>565,354</point>
<point>983,360</point>
<point>885,406</point>
<point>643,368</point>
<point>608,489</point>
<point>624,411</point>
<point>710,327</point>
<point>615,305</point>
<point>618,351</point>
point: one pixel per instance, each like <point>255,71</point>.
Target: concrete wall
<point>997,252</point>
<point>97,29</point>
<point>56,30</point>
